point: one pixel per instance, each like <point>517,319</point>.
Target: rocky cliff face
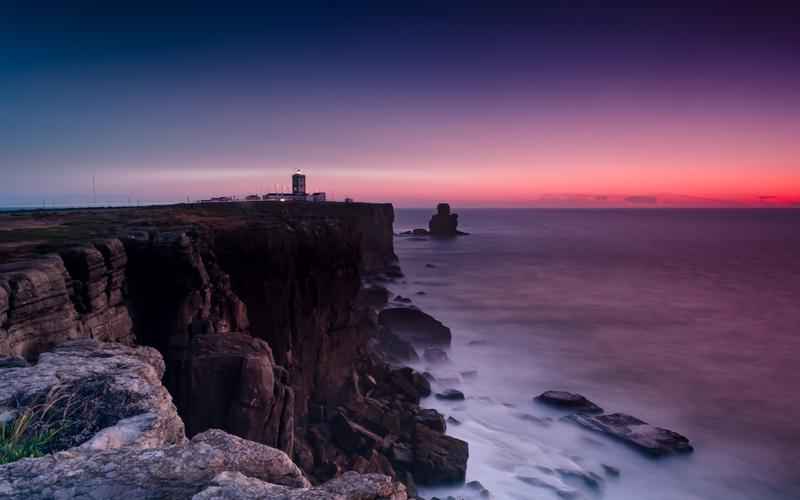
<point>256,310</point>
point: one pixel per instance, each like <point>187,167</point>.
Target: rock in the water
<point>479,489</point>
<point>652,440</point>
<point>402,300</point>
<point>450,395</point>
<point>443,223</point>
<point>453,420</point>
<point>469,374</point>
<point>568,401</point>
<point>393,348</point>
<point>415,326</point>
<point>435,355</point>
<point>543,421</point>
<point>438,458</point>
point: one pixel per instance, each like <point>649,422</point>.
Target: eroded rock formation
<point>260,318</point>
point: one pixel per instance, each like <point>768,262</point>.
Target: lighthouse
<point>298,183</point>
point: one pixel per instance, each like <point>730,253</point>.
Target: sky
<point>476,103</point>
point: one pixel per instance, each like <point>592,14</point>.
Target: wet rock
<point>432,419</point>
<point>477,343</point>
<point>610,470</point>
<point>654,441</point>
<point>402,300</point>
<point>438,458</point>
<point>393,348</point>
<point>415,326</point>
<point>430,266</point>
<point>406,382</point>
<point>561,490</point>
<point>421,292</point>
<point>469,374</point>
<point>450,395</point>
<point>375,296</point>
<point>568,401</point>
<point>543,421</point>
<point>479,489</point>
<point>453,420</point>
<point>435,355</point>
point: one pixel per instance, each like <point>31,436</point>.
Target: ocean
<point>687,319</point>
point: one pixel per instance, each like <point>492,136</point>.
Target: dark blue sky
<point>160,103</point>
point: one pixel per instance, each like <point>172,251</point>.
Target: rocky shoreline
<point>256,319</point>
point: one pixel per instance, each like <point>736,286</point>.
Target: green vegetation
<point>32,432</point>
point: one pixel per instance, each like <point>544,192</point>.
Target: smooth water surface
<point>688,319</point>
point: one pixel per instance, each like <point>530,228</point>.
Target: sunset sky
<point>412,103</point>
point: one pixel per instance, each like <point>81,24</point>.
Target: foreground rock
<point>174,472</point>
<point>568,401</point>
<point>415,326</point>
<point>652,440</point>
<point>103,396</point>
<point>351,486</point>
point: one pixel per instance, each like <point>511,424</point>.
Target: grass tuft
<point>31,433</point>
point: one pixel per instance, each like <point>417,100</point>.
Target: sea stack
<point>443,223</point>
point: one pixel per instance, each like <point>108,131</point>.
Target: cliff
<point>256,310</point>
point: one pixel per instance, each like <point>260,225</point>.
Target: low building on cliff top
<point>298,191</point>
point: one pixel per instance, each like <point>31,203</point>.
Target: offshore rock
<point>113,392</point>
<point>443,223</point>
<point>654,441</point>
<point>415,326</point>
<point>568,401</point>
<point>450,395</point>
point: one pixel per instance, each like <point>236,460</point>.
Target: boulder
<point>393,348</point>
<point>568,401</point>
<point>172,472</point>
<point>102,396</point>
<point>349,486</point>
<point>415,326</point>
<point>450,395</point>
<point>438,458</point>
<point>435,355</point>
<point>653,441</point>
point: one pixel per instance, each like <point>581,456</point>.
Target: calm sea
<point>688,319</point>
